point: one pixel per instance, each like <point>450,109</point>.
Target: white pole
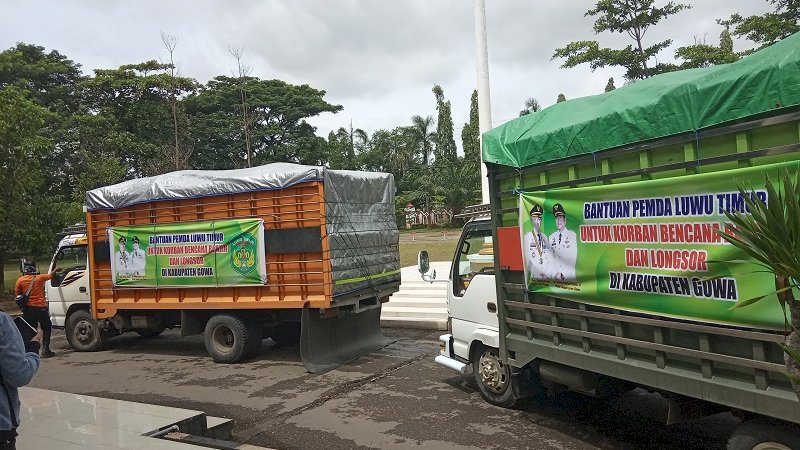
<point>484,101</point>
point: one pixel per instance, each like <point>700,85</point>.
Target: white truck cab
<point>69,289</point>
<point>472,307</point>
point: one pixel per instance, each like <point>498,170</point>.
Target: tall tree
<point>470,134</point>
<point>771,27</point>
<point>531,106</point>
<point>422,136</point>
<point>136,98</point>
<point>610,85</point>
<point>445,143</point>
<point>242,72</point>
<point>561,98</point>
<point>180,153</point>
<point>705,55</point>
<point>280,130</point>
<point>631,17</point>
<point>22,208</point>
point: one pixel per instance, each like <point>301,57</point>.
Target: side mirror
<point>423,262</point>
<point>424,265</point>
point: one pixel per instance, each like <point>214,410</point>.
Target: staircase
<point>418,304</point>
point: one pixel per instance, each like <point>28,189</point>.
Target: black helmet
<point>28,267</point>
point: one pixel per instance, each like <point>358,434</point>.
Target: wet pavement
<point>393,398</point>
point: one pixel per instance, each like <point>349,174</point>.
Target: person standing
<point>122,260</point>
<point>35,312</point>
<point>565,248</point>
<point>19,362</point>
<point>137,259</point>
<point>537,250</point>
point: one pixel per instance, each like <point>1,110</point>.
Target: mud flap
<point>327,343</point>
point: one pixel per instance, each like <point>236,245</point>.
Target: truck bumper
<point>446,357</point>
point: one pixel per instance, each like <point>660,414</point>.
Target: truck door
<point>472,298</point>
<point>69,286</point>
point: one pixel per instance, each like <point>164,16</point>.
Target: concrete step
<point>414,312</point>
<point>218,428</point>
<point>420,293</point>
<point>439,284</point>
<point>416,302</point>
<point>426,323</point>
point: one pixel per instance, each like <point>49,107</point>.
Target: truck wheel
<point>765,434</point>
<point>150,332</point>
<point>82,331</point>
<point>494,379</point>
<point>228,338</point>
<point>286,333</point>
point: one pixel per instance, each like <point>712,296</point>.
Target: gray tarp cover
<point>359,210</point>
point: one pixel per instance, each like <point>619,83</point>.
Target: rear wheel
<point>82,332</point>
<point>498,383</point>
<point>229,338</point>
<point>765,434</point>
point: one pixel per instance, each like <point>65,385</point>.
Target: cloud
<point>379,59</point>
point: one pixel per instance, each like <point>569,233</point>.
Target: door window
<point>69,259</point>
<point>475,256</point>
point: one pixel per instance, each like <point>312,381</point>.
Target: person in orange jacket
<point>36,312</point>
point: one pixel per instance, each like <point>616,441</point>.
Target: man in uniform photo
<point>564,243</point>
<point>537,249</point>
<point>122,259</point>
<point>136,259</point>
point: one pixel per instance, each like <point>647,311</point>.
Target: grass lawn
<point>438,251</point>
<point>11,273</point>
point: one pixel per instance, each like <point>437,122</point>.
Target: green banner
<point>650,246</point>
<point>197,254</point>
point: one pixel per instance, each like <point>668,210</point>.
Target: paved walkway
<point>63,421</point>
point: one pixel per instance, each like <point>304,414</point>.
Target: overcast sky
<point>377,58</point>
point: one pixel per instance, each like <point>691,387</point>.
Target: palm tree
<point>423,136</point>
<point>770,234</point>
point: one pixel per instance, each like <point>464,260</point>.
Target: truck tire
<point>765,434</point>
<point>286,333</point>
<point>495,380</point>
<point>82,332</point>
<point>229,338</point>
<point>150,332</point>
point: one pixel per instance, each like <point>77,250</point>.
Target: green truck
<point>609,273</point>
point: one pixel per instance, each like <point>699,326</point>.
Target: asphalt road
<point>393,398</point>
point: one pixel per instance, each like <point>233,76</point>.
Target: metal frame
<point>733,366</point>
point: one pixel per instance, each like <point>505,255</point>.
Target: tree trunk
<point>793,339</point>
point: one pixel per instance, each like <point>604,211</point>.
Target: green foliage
<point>422,136</point>
<point>279,130</point>
<point>531,106</point>
<point>135,99</point>
<point>470,134</point>
<point>610,85</point>
<point>770,235</point>
<point>771,27</point>
<point>631,17</point>
<point>705,55</point>
<point>22,142</point>
<point>445,143</point>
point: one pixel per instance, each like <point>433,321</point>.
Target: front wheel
<point>764,434</point>
<point>498,383</point>
<point>82,332</point>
